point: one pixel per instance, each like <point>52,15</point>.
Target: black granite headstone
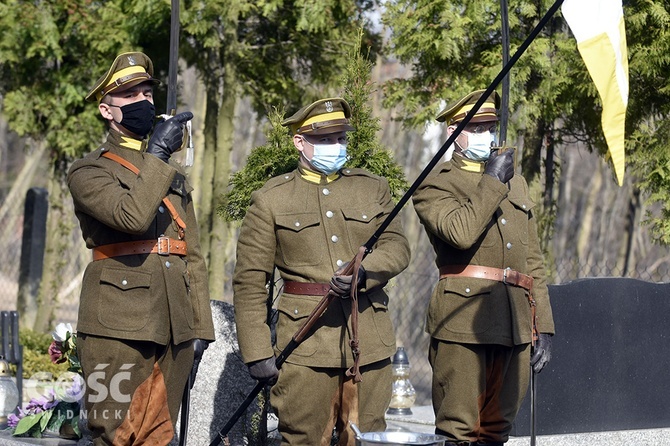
<point>32,248</point>
<point>610,366</point>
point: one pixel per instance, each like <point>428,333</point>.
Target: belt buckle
<point>506,271</point>
<point>163,246</point>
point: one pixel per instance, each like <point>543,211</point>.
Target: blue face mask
<point>329,158</point>
<point>479,146</point>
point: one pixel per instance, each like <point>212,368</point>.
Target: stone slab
<point>609,366</point>
<point>422,420</point>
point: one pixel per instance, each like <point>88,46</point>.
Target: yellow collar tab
<point>316,177</point>
<point>130,143</point>
<point>468,165</point>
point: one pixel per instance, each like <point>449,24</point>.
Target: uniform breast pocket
<point>125,299</point>
<point>362,223</point>
<point>521,210</point>
<point>296,234</point>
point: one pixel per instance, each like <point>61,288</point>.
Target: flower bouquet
<point>57,411</point>
<point>64,347</point>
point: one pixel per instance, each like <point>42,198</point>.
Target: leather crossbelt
<point>313,289</point>
<point>163,246</point>
<point>507,276</point>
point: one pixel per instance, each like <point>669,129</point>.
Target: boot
<point>495,443</point>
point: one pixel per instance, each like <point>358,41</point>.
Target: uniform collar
<point>467,164</point>
<point>317,177</point>
<point>127,142</point>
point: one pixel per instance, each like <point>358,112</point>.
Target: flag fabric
<point>598,26</point>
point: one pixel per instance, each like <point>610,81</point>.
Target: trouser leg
<point>300,399</point>
<point>309,402</point>
<point>477,389</point>
<point>133,388</point>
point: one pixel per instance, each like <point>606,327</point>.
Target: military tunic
<point>151,298</point>
<point>474,219</point>
<point>308,230</point>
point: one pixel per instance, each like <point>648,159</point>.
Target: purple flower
<point>56,353</point>
<point>13,420</point>
<point>42,403</point>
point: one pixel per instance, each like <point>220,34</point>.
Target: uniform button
<point>509,245</point>
<point>503,221</point>
<point>326,192</point>
<point>329,214</point>
<point>347,171</point>
<point>339,263</point>
<point>167,264</point>
<point>161,209</point>
<point>286,177</point>
<point>467,290</point>
<point>334,239</point>
<point>297,224</point>
<point>124,282</point>
<point>365,217</point>
<point>295,311</point>
<point>523,206</point>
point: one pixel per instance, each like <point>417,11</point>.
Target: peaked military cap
<point>456,112</point>
<point>127,70</point>
<point>324,116</point>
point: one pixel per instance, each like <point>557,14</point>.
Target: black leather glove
<point>541,353</point>
<point>341,284</point>
<point>264,370</point>
<point>168,136</point>
<point>501,166</point>
<point>199,347</point>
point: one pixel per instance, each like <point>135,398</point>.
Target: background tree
<point>50,53</point>
<point>454,46</point>
<point>272,52</point>
<point>278,155</point>
<point>648,117</point>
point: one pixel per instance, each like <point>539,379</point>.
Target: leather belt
<point>306,289</point>
<point>314,289</point>
<point>506,276</point>
<point>163,246</point>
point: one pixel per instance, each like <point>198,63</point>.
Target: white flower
<point>61,332</point>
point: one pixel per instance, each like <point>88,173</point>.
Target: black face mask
<point>138,117</point>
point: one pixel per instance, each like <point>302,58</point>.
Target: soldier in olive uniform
<point>309,223</point>
<point>144,312</point>
<point>492,287</point>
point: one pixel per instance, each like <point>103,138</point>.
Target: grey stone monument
<point>222,384</point>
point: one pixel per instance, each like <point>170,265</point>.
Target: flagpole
<point>436,158</point>
<point>504,102</point>
<point>329,297</point>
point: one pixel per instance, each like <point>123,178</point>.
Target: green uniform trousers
<point>133,388</point>
<point>306,400</point>
<point>477,389</point>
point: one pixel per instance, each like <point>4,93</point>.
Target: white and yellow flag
<point>598,26</point>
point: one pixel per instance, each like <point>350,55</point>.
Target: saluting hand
<point>168,136</point>
<point>501,166</point>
